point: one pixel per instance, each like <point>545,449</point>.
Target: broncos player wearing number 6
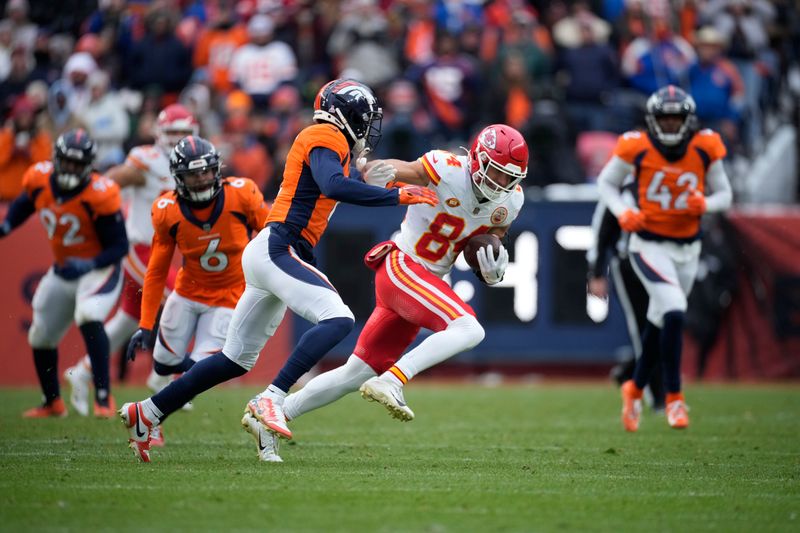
<point>279,267</point>
<point>210,220</point>
<point>81,212</point>
<point>478,193</point>
<point>675,167</point>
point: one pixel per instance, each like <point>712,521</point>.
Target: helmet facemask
<point>199,185</point>
<point>489,188</point>
<point>671,102</point>
<point>70,173</point>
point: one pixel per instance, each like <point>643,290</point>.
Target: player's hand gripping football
<point>414,194</point>
<point>140,341</point>
<point>492,269</point>
<point>696,202</point>
<point>631,221</point>
<point>378,173</point>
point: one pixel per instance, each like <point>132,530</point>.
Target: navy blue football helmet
<point>671,101</point>
<point>193,156</point>
<point>353,108</point>
<point>73,158</point>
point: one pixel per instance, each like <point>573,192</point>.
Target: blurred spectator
<point>358,44</point>
<point>406,126</point>
<point>260,66</point>
<point>716,86</point>
<point>197,99</point>
<point>6,45</point>
<point>569,31</point>
<point>420,38</point>
<point>21,74</point>
<point>660,59</point>
<point>21,145</point>
<point>160,60</point>
<point>75,81</point>
<point>509,99</point>
<point>743,25</point>
<point>552,154</point>
<point>216,45</point>
<point>59,117</point>
<point>590,76</point>
<point>519,39</point>
<point>455,16</point>
<point>450,84</point>
<point>106,121</point>
<point>24,30</point>
<point>243,154</point>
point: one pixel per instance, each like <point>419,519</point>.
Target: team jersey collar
<point>206,226</point>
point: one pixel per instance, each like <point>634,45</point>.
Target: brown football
<point>477,242</point>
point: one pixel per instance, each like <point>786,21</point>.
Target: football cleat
<point>56,408</point>
<point>388,394</point>
<point>266,441</point>
<point>157,436</point>
<point>631,406</point>
<point>269,412</point>
<point>105,411</point>
<point>80,381</point>
<point>677,411</point>
<point>139,429</point>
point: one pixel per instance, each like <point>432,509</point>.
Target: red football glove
<point>696,203</point>
<point>631,221</point>
<point>414,194</point>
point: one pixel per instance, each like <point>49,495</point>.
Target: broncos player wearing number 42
<point>674,166</point>
<point>279,267</point>
<point>80,211</point>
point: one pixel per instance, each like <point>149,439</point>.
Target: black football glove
<point>140,341</point>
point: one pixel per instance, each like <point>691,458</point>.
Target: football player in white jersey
<point>143,177</point>
<point>478,193</point>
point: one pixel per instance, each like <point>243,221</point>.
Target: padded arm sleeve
<point>327,171</point>
<point>111,232</point>
<point>609,183</point>
<point>721,196</point>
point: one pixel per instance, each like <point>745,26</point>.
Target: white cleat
<point>139,429</point>
<point>389,395</point>
<point>269,411</point>
<point>266,441</point>
<point>80,381</point>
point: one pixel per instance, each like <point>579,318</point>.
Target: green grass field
<point>544,458</point>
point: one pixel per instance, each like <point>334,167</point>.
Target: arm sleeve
<point>609,183</point>
<point>155,279</point>
<point>111,232</point>
<point>18,212</point>
<point>607,236</point>
<point>721,196</point>
<point>327,171</point>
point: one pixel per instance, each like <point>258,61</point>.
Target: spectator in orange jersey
<point>216,45</point>
<point>21,145</point>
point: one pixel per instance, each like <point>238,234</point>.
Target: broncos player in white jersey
<point>478,193</point>
<point>143,177</point>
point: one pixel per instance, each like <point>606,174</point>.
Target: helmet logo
<point>198,163</point>
<point>499,215</point>
<point>489,138</point>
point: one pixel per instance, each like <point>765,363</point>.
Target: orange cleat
<point>631,405</point>
<point>677,411</point>
<point>106,411</point>
<point>56,408</point>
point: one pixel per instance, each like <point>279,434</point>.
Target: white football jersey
<point>260,69</point>
<point>435,236</point>
<point>154,164</point>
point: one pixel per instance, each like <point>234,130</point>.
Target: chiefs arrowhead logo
<point>489,138</point>
<point>453,202</point>
<point>499,215</point>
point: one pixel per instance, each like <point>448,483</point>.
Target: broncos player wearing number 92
<point>80,211</point>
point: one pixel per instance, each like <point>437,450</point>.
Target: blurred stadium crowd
<point>569,75</point>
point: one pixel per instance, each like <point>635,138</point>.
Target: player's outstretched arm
<point>126,175</point>
<point>329,175</point>
<point>18,212</point>
<point>411,172</point>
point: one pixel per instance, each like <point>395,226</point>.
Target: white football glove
<point>380,174</point>
<point>492,269</point>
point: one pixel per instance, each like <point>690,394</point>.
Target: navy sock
<point>94,335</point>
<point>671,346</point>
<point>651,352</point>
<point>167,370</point>
<point>46,362</point>
<point>202,376</point>
<point>313,346</point>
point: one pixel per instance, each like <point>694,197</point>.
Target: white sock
<point>275,392</point>
<point>328,387</point>
<point>462,334</point>
<point>119,329</point>
<point>151,412</point>
<point>157,382</point>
